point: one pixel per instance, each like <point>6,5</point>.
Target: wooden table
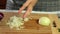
<point>31,27</point>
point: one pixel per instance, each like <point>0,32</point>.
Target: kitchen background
<point>42,5</point>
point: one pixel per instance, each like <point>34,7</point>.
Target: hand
<point>29,4</point>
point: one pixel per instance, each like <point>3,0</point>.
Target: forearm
<point>32,4</point>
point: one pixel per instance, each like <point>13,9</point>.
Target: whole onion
<point>1,16</point>
<point>44,21</point>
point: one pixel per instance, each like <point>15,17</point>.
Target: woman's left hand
<point>29,4</point>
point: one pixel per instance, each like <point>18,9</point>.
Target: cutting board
<point>31,27</point>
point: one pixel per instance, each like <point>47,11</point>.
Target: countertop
<point>41,12</point>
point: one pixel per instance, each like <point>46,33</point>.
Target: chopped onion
<point>15,22</point>
<point>26,19</point>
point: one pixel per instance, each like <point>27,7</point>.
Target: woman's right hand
<point>29,4</point>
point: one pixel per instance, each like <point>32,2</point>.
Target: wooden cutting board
<point>31,27</point>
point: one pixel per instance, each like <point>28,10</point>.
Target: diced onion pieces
<point>15,22</point>
<point>26,19</point>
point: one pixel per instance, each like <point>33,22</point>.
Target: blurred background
<point>41,5</point>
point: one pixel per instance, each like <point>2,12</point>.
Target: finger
<point>29,9</point>
<point>24,6</point>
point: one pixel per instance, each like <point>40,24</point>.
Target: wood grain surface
<point>31,27</point>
